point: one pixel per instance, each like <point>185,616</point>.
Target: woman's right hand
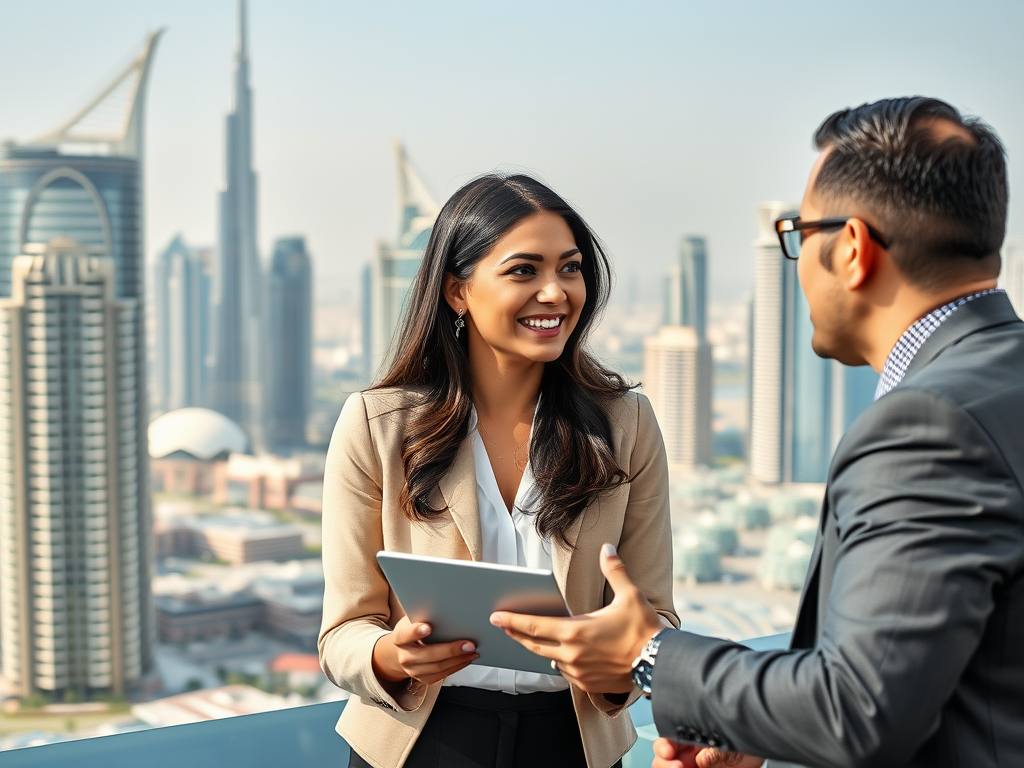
<point>402,654</point>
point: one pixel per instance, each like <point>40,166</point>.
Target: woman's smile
<point>544,326</point>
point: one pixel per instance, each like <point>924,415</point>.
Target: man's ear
<point>454,292</point>
<point>855,257</point>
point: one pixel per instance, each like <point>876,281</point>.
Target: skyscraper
<point>71,607</point>
<point>1013,274</point>
<point>75,528</point>
<point>677,379</point>
<point>396,264</point>
<point>800,403</point>
<point>181,297</point>
<point>289,342</point>
<point>236,382</point>
<point>687,286</point>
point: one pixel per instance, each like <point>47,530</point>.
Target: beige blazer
<point>361,516</point>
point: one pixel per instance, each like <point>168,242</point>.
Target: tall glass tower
<point>395,267</point>
<point>801,404</point>
<point>75,528</point>
<point>182,288</point>
<point>289,342</point>
<point>687,287</point>
<point>236,383</point>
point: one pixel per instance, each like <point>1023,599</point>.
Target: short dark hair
<point>940,199</point>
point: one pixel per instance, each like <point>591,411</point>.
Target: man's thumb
<point>614,569</point>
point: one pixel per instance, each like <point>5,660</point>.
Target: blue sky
<point>656,119</point>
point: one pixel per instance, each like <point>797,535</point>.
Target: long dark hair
<point>570,451</point>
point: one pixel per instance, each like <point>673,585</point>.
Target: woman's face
<point>526,294</point>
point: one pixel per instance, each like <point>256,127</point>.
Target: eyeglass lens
<point>793,239</point>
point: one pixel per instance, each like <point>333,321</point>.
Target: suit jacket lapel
<point>458,487</point>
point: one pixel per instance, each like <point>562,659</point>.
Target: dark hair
<point>940,199</point>
<point>570,451</point>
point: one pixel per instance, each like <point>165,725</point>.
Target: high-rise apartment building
<point>396,264</point>
<point>75,528</point>
<point>236,381</point>
<point>289,342</point>
<point>71,495</point>
<point>1013,274</point>
<point>687,287</point>
<point>182,286</point>
<point>677,379</point>
<point>800,403</point>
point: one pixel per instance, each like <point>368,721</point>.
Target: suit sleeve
<point>927,516</point>
<point>356,593</point>
<point>645,544</point>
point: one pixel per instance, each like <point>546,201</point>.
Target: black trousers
<point>474,728</point>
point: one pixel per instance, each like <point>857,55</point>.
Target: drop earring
<point>459,322</point>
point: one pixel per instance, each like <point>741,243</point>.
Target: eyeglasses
<point>791,232</point>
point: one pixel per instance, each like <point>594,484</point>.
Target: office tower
<point>687,286</point>
<point>1013,274</point>
<point>236,382</point>
<point>396,263</point>
<point>182,284</point>
<point>289,342</point>
<point>72,490</point>
<point>76,534</point>
<point>366,322</point>
<point>800,403</point>
<point>677,379</point>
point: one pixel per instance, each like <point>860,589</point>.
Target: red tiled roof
<point>295,662</point>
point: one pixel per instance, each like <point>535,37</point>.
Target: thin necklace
<point>515,456</point>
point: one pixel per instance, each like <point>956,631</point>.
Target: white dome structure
<point>199,432</point>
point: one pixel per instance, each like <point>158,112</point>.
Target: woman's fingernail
<point>467,647</point>
<point>609,550</point>
<point>424,630</point>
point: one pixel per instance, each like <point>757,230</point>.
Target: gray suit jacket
<point>909,643</point>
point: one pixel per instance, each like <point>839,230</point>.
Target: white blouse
<point>508,539</point>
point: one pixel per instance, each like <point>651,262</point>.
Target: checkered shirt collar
<point>913,339</point>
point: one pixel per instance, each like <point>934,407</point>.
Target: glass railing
<point>297,737</point>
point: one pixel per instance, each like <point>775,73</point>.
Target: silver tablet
<point>457,597</point>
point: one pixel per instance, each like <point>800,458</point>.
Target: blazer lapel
<point>458,487</point>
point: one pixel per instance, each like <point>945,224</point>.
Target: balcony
<point>302,736</point>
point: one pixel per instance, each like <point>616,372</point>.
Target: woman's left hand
<point>594,651</point>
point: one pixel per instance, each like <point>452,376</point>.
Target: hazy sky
<point>655,118</point>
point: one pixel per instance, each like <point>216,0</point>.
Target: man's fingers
<point>665,748</point>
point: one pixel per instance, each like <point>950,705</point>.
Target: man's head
<point>925,189</point>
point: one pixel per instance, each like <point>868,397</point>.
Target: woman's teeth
<point>534,323</point>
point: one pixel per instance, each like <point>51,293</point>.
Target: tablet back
<point>457,597</point>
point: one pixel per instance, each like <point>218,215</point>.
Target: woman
<point>494,436</point>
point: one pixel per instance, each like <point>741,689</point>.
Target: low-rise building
<point>264,482</point>
<point>207,615</point>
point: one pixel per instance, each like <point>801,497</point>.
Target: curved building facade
<point>75,530</point>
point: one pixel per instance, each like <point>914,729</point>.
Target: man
<point>909,644</point>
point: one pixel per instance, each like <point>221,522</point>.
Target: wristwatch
<point>643,665</point>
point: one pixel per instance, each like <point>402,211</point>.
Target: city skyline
<point>689,132</point>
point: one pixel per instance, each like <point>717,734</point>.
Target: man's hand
<point>594,651</point>
<point>672,754</point>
